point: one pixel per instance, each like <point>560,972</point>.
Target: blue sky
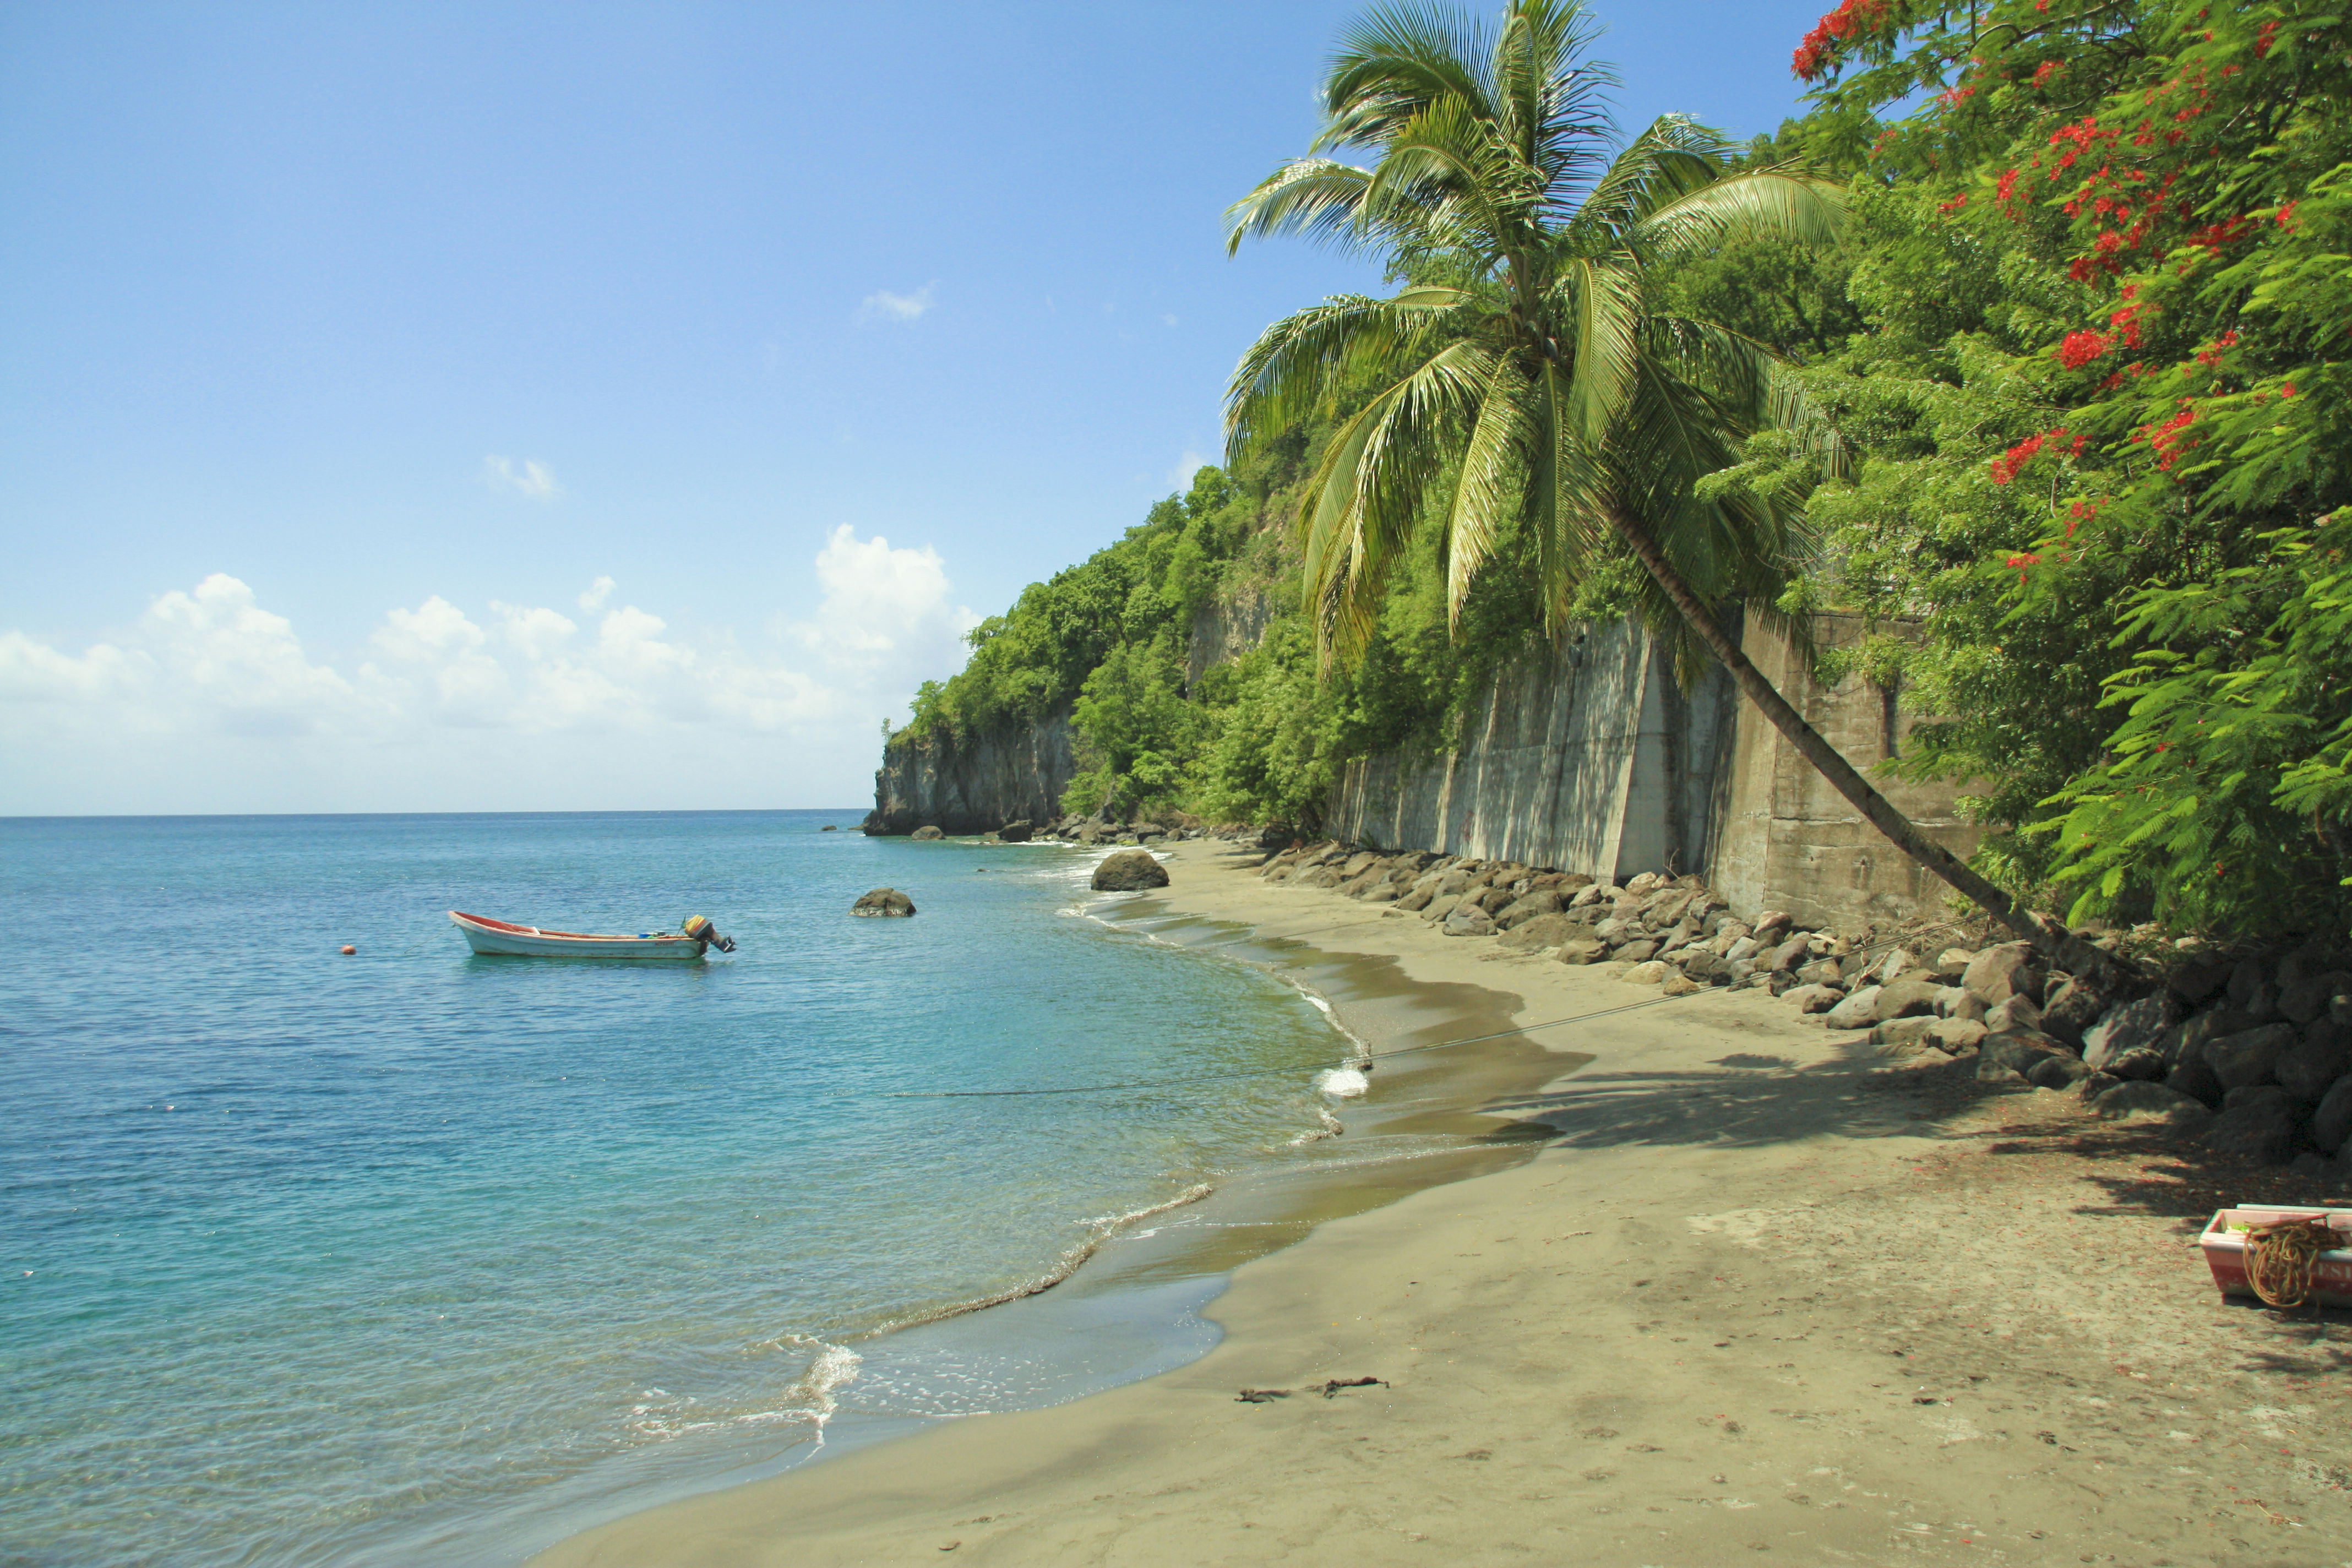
<point>512,406</point>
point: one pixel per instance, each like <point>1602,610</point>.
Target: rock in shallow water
<point>886,902</point>
<point>1130,872</point>
<point>927,833</point>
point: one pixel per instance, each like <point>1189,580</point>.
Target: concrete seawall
<point>1587,756</point>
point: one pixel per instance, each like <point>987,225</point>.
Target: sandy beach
<point>1757,1291</point>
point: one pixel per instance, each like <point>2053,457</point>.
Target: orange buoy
<point>349,950</point>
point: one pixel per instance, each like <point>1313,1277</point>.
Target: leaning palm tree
<point>1525,379</point>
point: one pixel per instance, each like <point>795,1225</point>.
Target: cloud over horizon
<point>883,306</point>
<point>210,702</point>
<point>531,478</point>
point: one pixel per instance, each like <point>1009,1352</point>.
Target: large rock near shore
<point>884,901</point>
<point>927,833</point>
<point>1015,832</point>
<point>2260,1122</point>
<point>1999,973</point>
<point>1130,872</point>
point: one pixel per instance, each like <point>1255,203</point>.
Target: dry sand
<point>1760,1293</point>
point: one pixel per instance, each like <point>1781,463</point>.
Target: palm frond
<point>1315,196</point>
<point>1366,494</point>
<point>1393,64</point>
<point>1299,363</point>
<point>1673,156</point>
<point>1761,203</point>
<point>1493,480</point>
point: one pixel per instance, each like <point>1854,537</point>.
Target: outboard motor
<point>700,928</point>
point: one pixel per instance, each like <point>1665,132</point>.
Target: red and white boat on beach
<point>506,939</point>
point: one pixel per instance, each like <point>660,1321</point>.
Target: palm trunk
<point>2078,956</point>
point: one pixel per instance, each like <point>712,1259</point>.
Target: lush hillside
<point>2082,345</point>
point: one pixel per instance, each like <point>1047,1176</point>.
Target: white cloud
<point>881,602</point>
<point>1166,318</point>
<point>1180,477</point>
<point>208,701</point>
<point>883,306</point>
<point>531,478</point>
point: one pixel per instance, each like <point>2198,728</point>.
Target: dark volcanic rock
<point>2128,1100</point>
<point>2263,1122</point>
<point>2195,1079</point>
<point>2307,1068</point>
<point>1130,872</point>
<point>2331,1124</point>
<point>1466,919</point>
<point>884,901</point>
<point>2130,1026</point>
<point>2244,1061</point>
<point>1908,998</point>
<point>1015,832</point>
<point>1999,973</point>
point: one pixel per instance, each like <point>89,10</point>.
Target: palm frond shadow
<point>1744,1104</point>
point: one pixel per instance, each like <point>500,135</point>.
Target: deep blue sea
<point>417,1256</point>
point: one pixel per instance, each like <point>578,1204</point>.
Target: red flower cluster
<point>2006,466</point>
<point>2080,349</point>
<point>2209,356</point>
<point>2021,562</point>
<point>2166,441</point>
<point>1819,52</point>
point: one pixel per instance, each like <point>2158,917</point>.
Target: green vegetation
<point>2081,343</point>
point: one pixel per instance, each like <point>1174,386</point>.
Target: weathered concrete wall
<point>976,787</point>
<point>1587,757</point>
<point>1790,842</point>
<point>1591,758</point>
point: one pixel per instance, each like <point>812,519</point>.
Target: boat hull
<point>504,939</point>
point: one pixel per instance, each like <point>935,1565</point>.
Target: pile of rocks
<point>2250,1057</point>
<point>1674,932</point>
<point>1094,830</point>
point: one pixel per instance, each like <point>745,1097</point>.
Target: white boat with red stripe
<point>505,939</point>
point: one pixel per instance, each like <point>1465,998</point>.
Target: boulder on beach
<point>1130,872</point>
<point>888,901</point>
<point>1015,832</point>
<point>929,833</point>
<point>1466,919</point>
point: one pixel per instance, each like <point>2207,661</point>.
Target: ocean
<point>416,1255</point>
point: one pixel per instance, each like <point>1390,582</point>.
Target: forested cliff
<point>2081,343</point>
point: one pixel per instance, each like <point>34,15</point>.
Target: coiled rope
<point>2282,1259</point>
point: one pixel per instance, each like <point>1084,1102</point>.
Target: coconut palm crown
<point>1534,385</point>
<point>1524,378</point>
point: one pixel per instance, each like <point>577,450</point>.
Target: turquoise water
<point>413,1256</point>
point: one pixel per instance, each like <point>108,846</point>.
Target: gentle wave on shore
<point>418,1255</point>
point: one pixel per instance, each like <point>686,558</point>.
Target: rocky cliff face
<point>1225,628</point>
<point>976,786</point>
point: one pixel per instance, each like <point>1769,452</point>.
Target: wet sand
<point>1752,1291</point>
